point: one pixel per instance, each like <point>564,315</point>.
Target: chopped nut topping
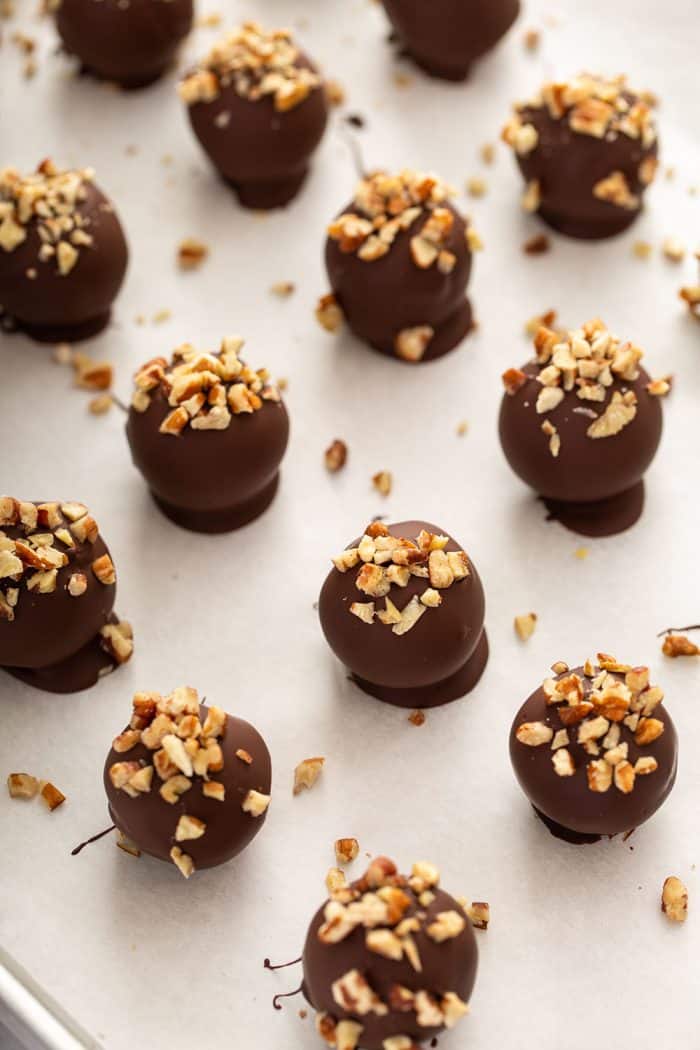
<point>336,456</point>
<point>257,64</point>
<point>525,625</point>
<point>591,106</point>
<point>615,189</point>
<point>256,803</point>
<point>447,925</point>
<point>183,863</point>
<point>678,645</point>
<point>353,993</point>
<point>608,696</point>
<point>22,785</point>
<point>203,390</point>
<point>411,343</point>
<point>307,773</point>
<point>479,914</point>
<point>346,850</point>
<point>189,828</point>
<point>53,201</point>
<point>383,482</point>
<point>674,899</point>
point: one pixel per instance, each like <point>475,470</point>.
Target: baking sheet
<point>578,950</point>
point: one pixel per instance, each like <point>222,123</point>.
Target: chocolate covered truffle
<point>131,43</point>
<point>444,37</point>
<point>580,424</point>
<point>389,961</point>
<point>594,749</point>
<point>58,631</point>
<point>587,149</point>
<point>258,107</point>
<point>403,609</point>
<point>186,783</point>
<point>399,258</point>
<point>63,255</point>
<point>208,434</point>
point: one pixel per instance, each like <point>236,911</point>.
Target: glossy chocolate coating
<point>51,307</point>
<point>568,164</point>
<point>132,44</point>
<point>150,822</point>
<point>444,37</point>
<point>447,967</point>
<point>569,808</point>
<point>587,470</point>
<point>210,480</point>
<point>381,298</point>
<point>405,669</point>
<point>264,154</point>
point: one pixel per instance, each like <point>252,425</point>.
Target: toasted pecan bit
<point>417,718</point>
<point>104,570</point>
<point>336,455</point>
<point>537,245</point>
<point>283,289</point>
<point>674,899</point>
<point>525,625</point>
<point>673,249</point>
<point>382,482</point>
<point>531,39</point>
<point>329,313</point>
<point>191,253</point>
<point>307,773</point>
<point>94,375</point>
<point>100,405</point>
<point>346,850</point>
<point>513,380</point>
<point>128,846</point>
<point>244,756</point>
<point>479,914</point>
<point>22,785</point>
<point>642,249</point>
<point>183,862</point>
<point>691,296</point>
<point>256,803</point>
<point>531,198</point>
<point>678,645</point>
<point>477,186</point>
<point>51,795</point>
<point>534,733</point>
<point>411,343</point>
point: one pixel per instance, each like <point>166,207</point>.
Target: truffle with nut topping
<point>131,43</point>
<point>58,631</point>
<point>390,960</point>
<point>63,255</point>
<point>445,37</point>
<point>187,783</point>
<point>258,108</point>
<point>580,424</point>
<point>587,149</point>
<point>403,609</point>
<point>398,259</point>
<point>208,434</point>
<point>594,749</point>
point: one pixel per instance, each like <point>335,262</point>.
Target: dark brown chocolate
<point>592,485</point>
<point>618,761</point>
<point>60,270</point>
<point>398,259</point>
<point>587,151</point>
<point>389,956</point>
<point>57,592</point>
<point>211,468</point>
<point>258,108</point>
<point>237,777</point>
<point>131,43</point>
<point>444,37</point>
<point>437,660</point>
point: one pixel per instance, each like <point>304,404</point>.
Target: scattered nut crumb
<point>462,428</point>
<point>547,319</point>
<point>678,645</point>
<point>488,153</point>
<point>161,316</point>
<point>383,482</point>
<point>328,313</point>
<point>210,21</point>
<point>537,245</point>
<point>674,249</point>
<point>128,846</point>
<point>63,354</point>
<point>92,375</point>
<point>674,899</point>
<point>417,718</point>
<point>479,914</point>
<point>100,405</point>
<point>476,186</point>
<point>283,289</point>
<point>691,296</point>
<point>22,785</point>
<point>283,384</point>
<point>525,625</point>
<point>402,80</point>
<point>51,795</point>
<point>191,253</point>
<point>346,850</point>
<point>581,553</point>
<point>307,773</point>
<point>642,249</point>
<point>532,39</point>
<point>336,456</point>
